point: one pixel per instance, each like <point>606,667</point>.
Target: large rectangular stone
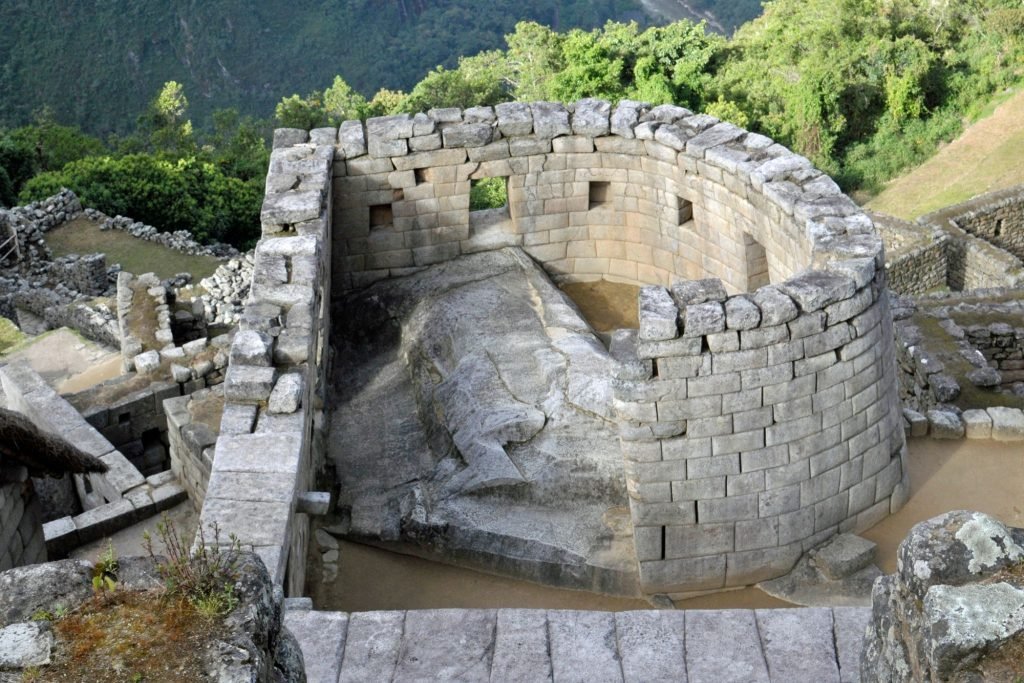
<point>322,639</point>
<point>373,642</point>
<point>521,650</point>
<point>651,644</point>
<point>583,646</point>
<point>798,644</point>
<point>724,646</point>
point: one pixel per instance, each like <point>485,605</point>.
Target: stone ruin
<point>754,414</point>
<point>756,409</point>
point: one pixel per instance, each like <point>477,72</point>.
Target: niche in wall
<point>600,194</point>
<point>381,216</point>
<point>757,263</point>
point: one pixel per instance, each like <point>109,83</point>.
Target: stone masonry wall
<point>917,256</point>
<point>267,455</point>
<point>996,217</point>
<point>635,194</point>
<point>753,426</point>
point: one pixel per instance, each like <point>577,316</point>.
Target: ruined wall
<point>916,256</point>
<point>753,426</point>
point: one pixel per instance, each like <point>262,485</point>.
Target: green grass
<point>83,236</point>
<point>10,335</point>
<point>988,156</point>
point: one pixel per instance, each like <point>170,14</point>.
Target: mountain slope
<point>98,62</point>
<point>988,156</point>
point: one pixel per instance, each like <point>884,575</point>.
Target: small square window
<point>600,194</point>
<point>380,215</point>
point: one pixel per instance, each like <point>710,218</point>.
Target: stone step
<point>805,645</point>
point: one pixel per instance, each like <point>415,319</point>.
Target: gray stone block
<point>702,319</point>
<point>843,555</point>
<point>248,383</point>
<point>798,644</point>
<point>373,643</point>
<point>1007,424</point>
<point>652,645</point>
<point>776,307</point>
<point>467,135</point>
<point>943,424</point>
<point>591,117</point>
<point>724,646</point>
<point>741,313</point>
<point>583,646</point>
<point>658,315</point>
<point>286,396</point>
<point>550,119</point>
<point>521,650</point>
<point>446,645</point>
<point>977,424</point>
<point>514,118</point>
<point>322,639</point>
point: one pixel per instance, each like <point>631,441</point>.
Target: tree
<point>478,80</point>
<point>342,103</point>
<point>534,57</point>
<point>166,121</point>
<point>298,112</point>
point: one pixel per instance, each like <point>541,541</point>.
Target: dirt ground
<point>67,361</point>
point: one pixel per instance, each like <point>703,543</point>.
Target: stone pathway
<point>813,645</point>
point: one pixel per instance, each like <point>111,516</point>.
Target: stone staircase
<point>810,645</point>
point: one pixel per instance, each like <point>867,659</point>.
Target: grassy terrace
<point>83,236</point>
<point>988,156</point>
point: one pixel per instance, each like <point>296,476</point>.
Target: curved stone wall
<point>758,404</point>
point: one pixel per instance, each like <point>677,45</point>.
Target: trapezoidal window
<point>600,194</point>
<point>757,263</point>
<point>381,216</point>
<point>685,208</point>
<point>488,205</point>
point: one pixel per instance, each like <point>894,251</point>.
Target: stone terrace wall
<point>633,194</point>
<point>996,217</point>
<point>267,455</point>
<point>917,256</point>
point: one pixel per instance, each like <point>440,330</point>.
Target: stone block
<point>741,313</point>
<point>514,118</point>
<point>248,383</point>
<point>1007,424</point>
<point>799,645</point>
<point>943,424</point>
<point>658,315</point>
<point>467,135</point>
<point>719,641</point>
<point>550,119</point>
<point>776,307</point>
<point>591,117</point>
<point>251,347</point>
<point>465,656</point>
<point>286,396</point>
<point>977,424</point>
<point>703,319</point>
<point>844,555</point>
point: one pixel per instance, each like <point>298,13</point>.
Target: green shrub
<point>171,195</point>
<point>488,193</point>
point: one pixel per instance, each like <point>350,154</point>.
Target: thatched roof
<point>22,443</point>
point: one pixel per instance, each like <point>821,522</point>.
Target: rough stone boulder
<point>954,610</point>
<point>473,418</point>
<point>257,647</point>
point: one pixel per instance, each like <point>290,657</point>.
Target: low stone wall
<point>21,523</point>
<point>269,450</point>
<point>995,217</point>
<point>113,500</point>
<point>916,259</point>
<point>191,445</point>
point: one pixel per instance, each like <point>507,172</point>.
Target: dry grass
<point>988,156</point>
<point>130,636</point>
<point>83,236</point>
